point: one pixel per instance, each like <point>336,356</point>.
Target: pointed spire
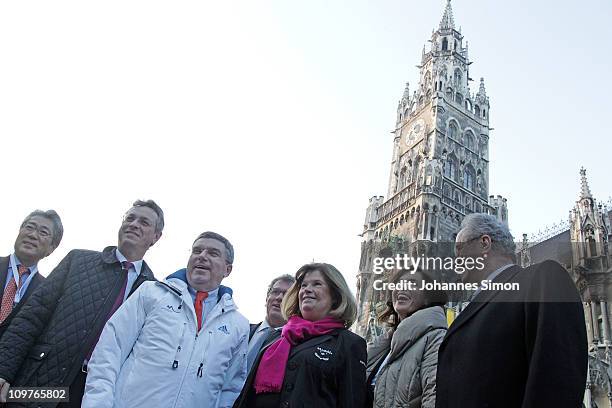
<point>585,191</point>
<point>406,95</point>
<point>481,90</point>
<point>447,19</point>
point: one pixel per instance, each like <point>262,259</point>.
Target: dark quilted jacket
<point>49,338</point>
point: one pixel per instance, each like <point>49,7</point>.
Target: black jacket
<point>36,280</point>
<point>50,336</point>
<point>311,381</point>
<point>514,349</point>
<point>252,328</point>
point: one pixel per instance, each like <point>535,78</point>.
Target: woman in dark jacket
<point>402,364</point>
<point>316,362</point>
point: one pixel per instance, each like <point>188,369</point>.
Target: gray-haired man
<point>40,233</point>
<point>512,346</point>
<point>50,340</point>
<point>261,331</point>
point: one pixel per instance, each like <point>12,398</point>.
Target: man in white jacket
<point>179,343</point>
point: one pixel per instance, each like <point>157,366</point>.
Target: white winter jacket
<point>149,354</point>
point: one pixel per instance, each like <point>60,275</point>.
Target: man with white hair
<point>512,348</point>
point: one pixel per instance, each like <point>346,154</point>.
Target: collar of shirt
<point>490,277</point>
<point>263,325</point>
<point>33,269</point>
<point>212,295</point>
<point>11,274</point>
<point>122,258</point>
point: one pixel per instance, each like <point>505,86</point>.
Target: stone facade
<point>439,168</point>
<point>583,245</point>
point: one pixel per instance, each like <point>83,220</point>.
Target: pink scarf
<point>271,370</point>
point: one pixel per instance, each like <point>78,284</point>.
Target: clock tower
<point>439,168</point>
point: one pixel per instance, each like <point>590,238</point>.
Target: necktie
<point>8,298</point>
<point>200,297</point>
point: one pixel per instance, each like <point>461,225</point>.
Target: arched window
<point>477,207</point>
<point>457,197</point>
<point>444,44</point>
<point>452,131</point>
<point>458,98</point>
<point>468,177</point>
<point>450,167</point>
<point>416,170</point>
<point>402,179</point>
<point>469,140</point>
<point>477,110</point>
<point>457,77</point>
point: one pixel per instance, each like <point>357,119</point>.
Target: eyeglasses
<point>43,232</point>
<point>460,245</point>
<point>143,221</point>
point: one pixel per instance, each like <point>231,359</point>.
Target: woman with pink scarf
<point>316,361</point>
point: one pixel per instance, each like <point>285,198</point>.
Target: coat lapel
<point>482,300</point>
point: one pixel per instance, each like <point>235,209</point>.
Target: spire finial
<point>447,19</point>
<point>481,89</point>
<point>406,95</point>
<point>585,191</point>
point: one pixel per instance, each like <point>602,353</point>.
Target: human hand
<point>4,388</point>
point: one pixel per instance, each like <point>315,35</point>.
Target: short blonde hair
<point>344,306</point>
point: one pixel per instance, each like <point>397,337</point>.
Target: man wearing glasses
<point>266,330</point>
<point>522,347</point>
<point>51,339</point>
<point>39,235</point>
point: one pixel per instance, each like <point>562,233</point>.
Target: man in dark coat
<point>53,335</point>
<point>264,332</point>
<point>39,235</point>
<point>515,346</point>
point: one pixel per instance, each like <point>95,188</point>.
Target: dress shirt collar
<point>491,277</point>
<point>122,258</point>
<point>263,326</point>
<point>14,260</point>
<point>212,295</point>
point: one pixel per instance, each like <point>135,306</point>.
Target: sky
<point>269,121</point>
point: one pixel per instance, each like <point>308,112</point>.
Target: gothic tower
<point>439,167</point>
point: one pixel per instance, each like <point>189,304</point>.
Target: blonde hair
<point>344,306</point>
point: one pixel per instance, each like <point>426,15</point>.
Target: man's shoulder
<point>548,281</point>
<point>83,254</point>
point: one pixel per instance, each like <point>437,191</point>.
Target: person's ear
<point>50,251</point>
<point>228,270</point>
<point>157,237</point>
<point>486,243</point>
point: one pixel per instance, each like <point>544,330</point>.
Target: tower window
<point>469,141</point>
<point>468,178</point>
<point>444,44</point>
<point>452,131</point>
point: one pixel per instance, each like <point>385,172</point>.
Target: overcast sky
<point>269,121</point>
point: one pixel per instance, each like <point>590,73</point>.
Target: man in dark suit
<point>515,346</point>
<point>50,340</point>
<point>40,233</point>
<point>263,332</point>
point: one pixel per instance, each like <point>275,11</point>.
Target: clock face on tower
<point>416,131</point>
